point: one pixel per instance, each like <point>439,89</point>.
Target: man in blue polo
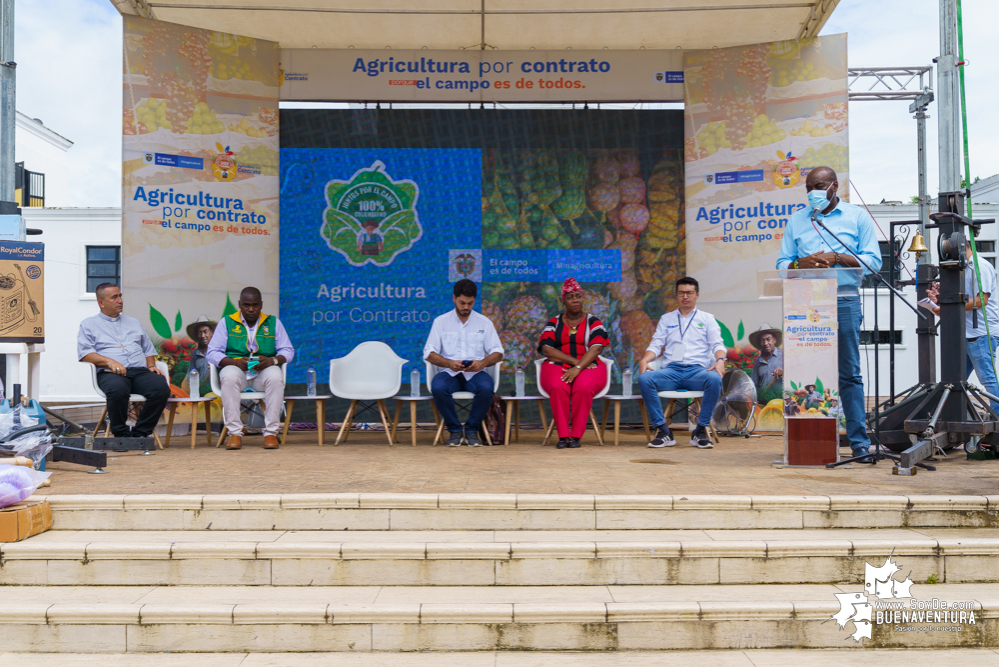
<point>807,246</point>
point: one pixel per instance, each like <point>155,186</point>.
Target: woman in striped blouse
<point>571,374</point>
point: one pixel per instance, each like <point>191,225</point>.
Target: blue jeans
<point>978,359</point>
<point>677,377</point>
<point>851,382</point>
<point>444,385</point>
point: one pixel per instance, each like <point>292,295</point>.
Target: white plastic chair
<point>683,395</point>
<point>371,372</point>
<point>133,398</point>
<point>609,363</point>
<point>257,396</point>
<point>463,396</point>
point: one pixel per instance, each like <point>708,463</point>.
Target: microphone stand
<point>879,452</point>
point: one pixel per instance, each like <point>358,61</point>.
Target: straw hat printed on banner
<point>754,338</point>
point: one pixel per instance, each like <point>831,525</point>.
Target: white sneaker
<point>701,439</point>
<point>664,438</point>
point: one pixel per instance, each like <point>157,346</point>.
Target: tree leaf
<point>818,385</point>
<point>741,332</point>
<point>229,308</point>
<point>727,339</point>
<point>160,324</point>
<point>178,321</point>
<point>794,386</point>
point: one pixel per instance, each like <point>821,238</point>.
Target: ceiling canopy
<point>498,24</point>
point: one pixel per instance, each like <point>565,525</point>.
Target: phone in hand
<point>466,363</point>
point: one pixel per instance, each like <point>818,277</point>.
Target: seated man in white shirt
<point>463,343</point>
<point>693,358</point>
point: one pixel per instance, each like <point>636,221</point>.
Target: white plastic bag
<point>17,483</point>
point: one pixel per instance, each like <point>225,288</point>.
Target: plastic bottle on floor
<point>414,383</point>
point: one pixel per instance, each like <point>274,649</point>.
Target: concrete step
<point>492,558</point>
<point>379,511</point>
<point>360,619</point>
<point>979,657</point>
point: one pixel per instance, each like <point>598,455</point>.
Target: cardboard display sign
<point>22,292</point>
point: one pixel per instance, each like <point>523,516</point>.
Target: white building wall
<point>44,151</point>
<point>907,354</point>
<point>66,233</point>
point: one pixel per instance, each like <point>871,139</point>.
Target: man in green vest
<point>249,348</point>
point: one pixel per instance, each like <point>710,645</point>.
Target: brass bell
<point>918,245</point>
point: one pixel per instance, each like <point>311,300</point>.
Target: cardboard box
<point>21,521</point>
<point>22,297</point>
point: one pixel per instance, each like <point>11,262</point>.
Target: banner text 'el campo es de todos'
<point>200,182</point>
<point>757,118</point>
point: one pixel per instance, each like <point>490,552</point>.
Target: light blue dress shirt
<point>852,224</point>
<point>989,290</point>
<point>121,338</point>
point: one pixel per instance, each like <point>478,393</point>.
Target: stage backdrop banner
<point>756,119</point>
<point>377,230</point>
<point>200,178</point>
<point>474,75</point>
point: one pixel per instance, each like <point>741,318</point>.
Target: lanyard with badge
<point>681,348</point>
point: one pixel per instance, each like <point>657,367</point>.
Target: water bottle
<point>310,382</point>
<point>626,383</point>
<point>194,383</point>
<point>520,382</point>
<point>414,383</point>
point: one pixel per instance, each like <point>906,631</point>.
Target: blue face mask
<point>817,200</point>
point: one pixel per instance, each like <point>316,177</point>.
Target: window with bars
<point>884,337</point>
<point>103,266</point>
<point>986,250</point>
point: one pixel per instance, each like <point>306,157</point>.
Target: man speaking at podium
<point>807,246</point>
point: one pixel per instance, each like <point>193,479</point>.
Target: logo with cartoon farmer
<point>371,218</point>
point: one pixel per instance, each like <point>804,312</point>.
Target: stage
<point>366,464</point>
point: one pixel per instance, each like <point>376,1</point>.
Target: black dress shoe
<point>574,443</point>
<point>563,443</point>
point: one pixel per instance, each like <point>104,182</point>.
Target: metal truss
<point>889,83</point>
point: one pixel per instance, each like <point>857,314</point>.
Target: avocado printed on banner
<point>371,218</point>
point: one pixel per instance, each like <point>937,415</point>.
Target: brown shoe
<point>235,442</point>
<point>271,442</point>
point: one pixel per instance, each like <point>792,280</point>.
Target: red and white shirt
<point>589,332</point>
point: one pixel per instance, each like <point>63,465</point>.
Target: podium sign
<point>811,372</point>
<point>812,405</point>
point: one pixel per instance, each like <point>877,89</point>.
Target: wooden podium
<point>812,407</point>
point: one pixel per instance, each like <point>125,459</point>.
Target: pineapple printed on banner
<point>629,200</point>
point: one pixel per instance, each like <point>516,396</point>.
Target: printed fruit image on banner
<point>757,119</point>
<point>371,218</point>
<point>199,175</point>
<point>627,200</point>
